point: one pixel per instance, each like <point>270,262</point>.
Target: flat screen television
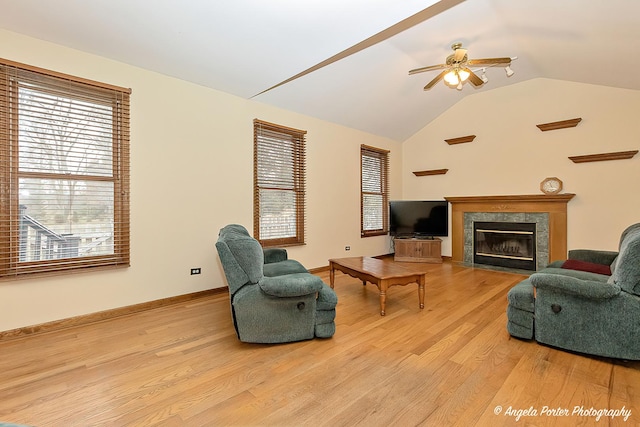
<point>418,218</point>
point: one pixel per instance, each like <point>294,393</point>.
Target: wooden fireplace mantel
<point>555,205</point>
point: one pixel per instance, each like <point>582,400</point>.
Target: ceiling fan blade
<point>459,54</point>
<point>488,61</point>
<point>473,77</point>
<point>435,80</point>
<point>429,68</point>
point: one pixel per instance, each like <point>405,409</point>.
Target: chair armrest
<point>595,256</point>
<point>589,289</point>
<point>291,285</point>
<point>272,255</point>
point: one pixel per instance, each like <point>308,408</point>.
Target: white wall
<point>191,174</point>
<point>510,155</point>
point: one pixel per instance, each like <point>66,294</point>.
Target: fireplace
<point>505,244</point>
<point>548,212</point>
<point>537,222</point>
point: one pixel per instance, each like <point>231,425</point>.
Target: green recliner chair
<point>273,299</point>
<point>578,305</point>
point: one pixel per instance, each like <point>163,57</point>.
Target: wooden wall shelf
<point>559,125</point>
<point>460,140</point>
<point>431,172</point>
<point>620,155</point>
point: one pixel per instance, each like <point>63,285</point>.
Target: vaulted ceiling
<point>246,47</point>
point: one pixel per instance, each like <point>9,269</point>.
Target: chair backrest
<point>241,256</point>
<point>630,229</point>
<point>627,269</point>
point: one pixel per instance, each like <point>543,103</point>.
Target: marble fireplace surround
<point>513,208</point>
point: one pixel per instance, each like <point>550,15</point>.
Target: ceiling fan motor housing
<point>451,60</point>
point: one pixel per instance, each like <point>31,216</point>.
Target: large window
<point>279,184</point>
<point>64,171</point>
<point>374,199</point>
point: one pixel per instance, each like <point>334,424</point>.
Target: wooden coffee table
<point>383,274</point>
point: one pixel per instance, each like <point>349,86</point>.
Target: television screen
<point>418,218</point>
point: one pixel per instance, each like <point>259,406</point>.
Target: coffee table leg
<point>421,283</point>
<point>332,275</point>
<point>383,297</point>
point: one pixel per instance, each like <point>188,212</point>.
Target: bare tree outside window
<point>72,139</point>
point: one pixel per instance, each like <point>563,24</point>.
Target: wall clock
<point>551,185</point>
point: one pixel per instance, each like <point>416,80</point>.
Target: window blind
<point>279,184</point>
<point>64,162</point>
<point>374,191</point>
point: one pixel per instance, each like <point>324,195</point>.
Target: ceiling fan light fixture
<point>508,70</point>
<point>452,78</point>
<point>464,75</point>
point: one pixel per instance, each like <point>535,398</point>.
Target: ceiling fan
<point>456,68</point>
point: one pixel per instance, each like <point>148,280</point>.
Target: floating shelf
<point>431,172</point>
<point>460,140</point>
<point>620,155</point>
<point>559,125</point>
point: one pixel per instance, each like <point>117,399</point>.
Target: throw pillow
<point>591,267</point>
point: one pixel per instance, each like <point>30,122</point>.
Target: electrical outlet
<point>195,270</point>
<point>347,248</point>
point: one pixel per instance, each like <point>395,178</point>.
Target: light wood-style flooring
<point>451,364</point>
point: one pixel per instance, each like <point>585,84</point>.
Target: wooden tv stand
<point>418,250</point>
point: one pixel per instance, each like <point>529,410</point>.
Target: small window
<point>374,198</point>
<point>64,160</point>
<point>279,184</point>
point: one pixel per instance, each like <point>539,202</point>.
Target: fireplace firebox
<point>505,244</point>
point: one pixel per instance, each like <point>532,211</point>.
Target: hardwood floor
<point>451,364</point>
